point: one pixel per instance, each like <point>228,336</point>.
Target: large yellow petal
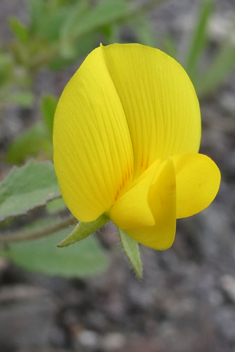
<point>93,154</point>
<point>162,202</point>
<point>197,183</point>
<point>159,102</point>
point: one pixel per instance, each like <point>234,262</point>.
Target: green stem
<point>18,237</point>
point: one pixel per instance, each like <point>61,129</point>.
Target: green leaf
<point>20,31</point>
<point>106,12</point>
<point>199,37</point>
<point>55,205</point>
<point>67,49</point>
<point>144,31</point>
<point>26,188</point>
<point>24,99</point>
<point>36,140</point>
<point>111,33</point>
<point>43,256</point>
<point>6,68</point>
<point>83,230</point>
<point>47,107</point>
<point>50,27</point>
<point>169,46</point>
<point>218,70</point>
<point>74,15</point>
<point>52,15</point>
<point>82,47</point>
<point>36,10</point>
<point>131,248</point>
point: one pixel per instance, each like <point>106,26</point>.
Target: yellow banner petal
<point>93,154</point>
<point>162,202</point>
<point>159,102</point>
<point>197,183</point>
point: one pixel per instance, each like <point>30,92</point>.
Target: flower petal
<point>93,154</point>
<point>162,202</point>
<point>197,183</point>
<point>159,102</point>
<point>132,208</point>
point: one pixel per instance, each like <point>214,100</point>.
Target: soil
<point>186,299</point>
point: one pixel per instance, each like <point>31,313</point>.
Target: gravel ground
<point>186,299</point>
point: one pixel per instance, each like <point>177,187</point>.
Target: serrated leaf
<point>47,107</point>
<point>83,230</point>
<point>34,141</point>
<point>42,255</point>
<point>26,188</point>
<point>131,248</point>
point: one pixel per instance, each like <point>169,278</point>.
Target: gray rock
<point>25,323</point>
<point>87,341</point>
<point>227,283</point>
<point>113,342</point>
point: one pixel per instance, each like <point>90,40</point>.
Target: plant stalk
<point>18,237</point>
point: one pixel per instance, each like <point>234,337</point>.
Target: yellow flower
<point>127,132</point>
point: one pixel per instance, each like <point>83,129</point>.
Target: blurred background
<point>89,300</point>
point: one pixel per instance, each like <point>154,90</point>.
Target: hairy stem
<point>17,237</point>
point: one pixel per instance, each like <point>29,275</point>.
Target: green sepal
<point>131,249</point>
<point>84,229</point>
